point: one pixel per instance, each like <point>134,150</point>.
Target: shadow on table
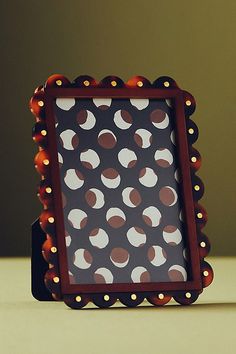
<point>195,307</point>
<point>60,306</point>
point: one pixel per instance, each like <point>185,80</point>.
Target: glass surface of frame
<point>120,190</point>
<point>122,211</point>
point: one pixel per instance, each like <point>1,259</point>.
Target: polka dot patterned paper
<point>120,191</point>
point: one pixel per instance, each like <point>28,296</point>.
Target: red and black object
<point>53,272</point>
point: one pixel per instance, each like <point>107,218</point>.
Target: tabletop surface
<point>31,327</point>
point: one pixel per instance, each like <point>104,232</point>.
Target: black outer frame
<point>54,251</point>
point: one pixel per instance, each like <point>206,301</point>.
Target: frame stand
<point>38,264</point>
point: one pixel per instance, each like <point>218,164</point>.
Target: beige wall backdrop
<point>191,41</point>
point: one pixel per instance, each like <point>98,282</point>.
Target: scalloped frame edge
<point>45,194</point>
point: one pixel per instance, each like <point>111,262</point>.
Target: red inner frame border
<point>194,271</point>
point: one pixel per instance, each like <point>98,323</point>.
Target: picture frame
<point>117,168</point>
